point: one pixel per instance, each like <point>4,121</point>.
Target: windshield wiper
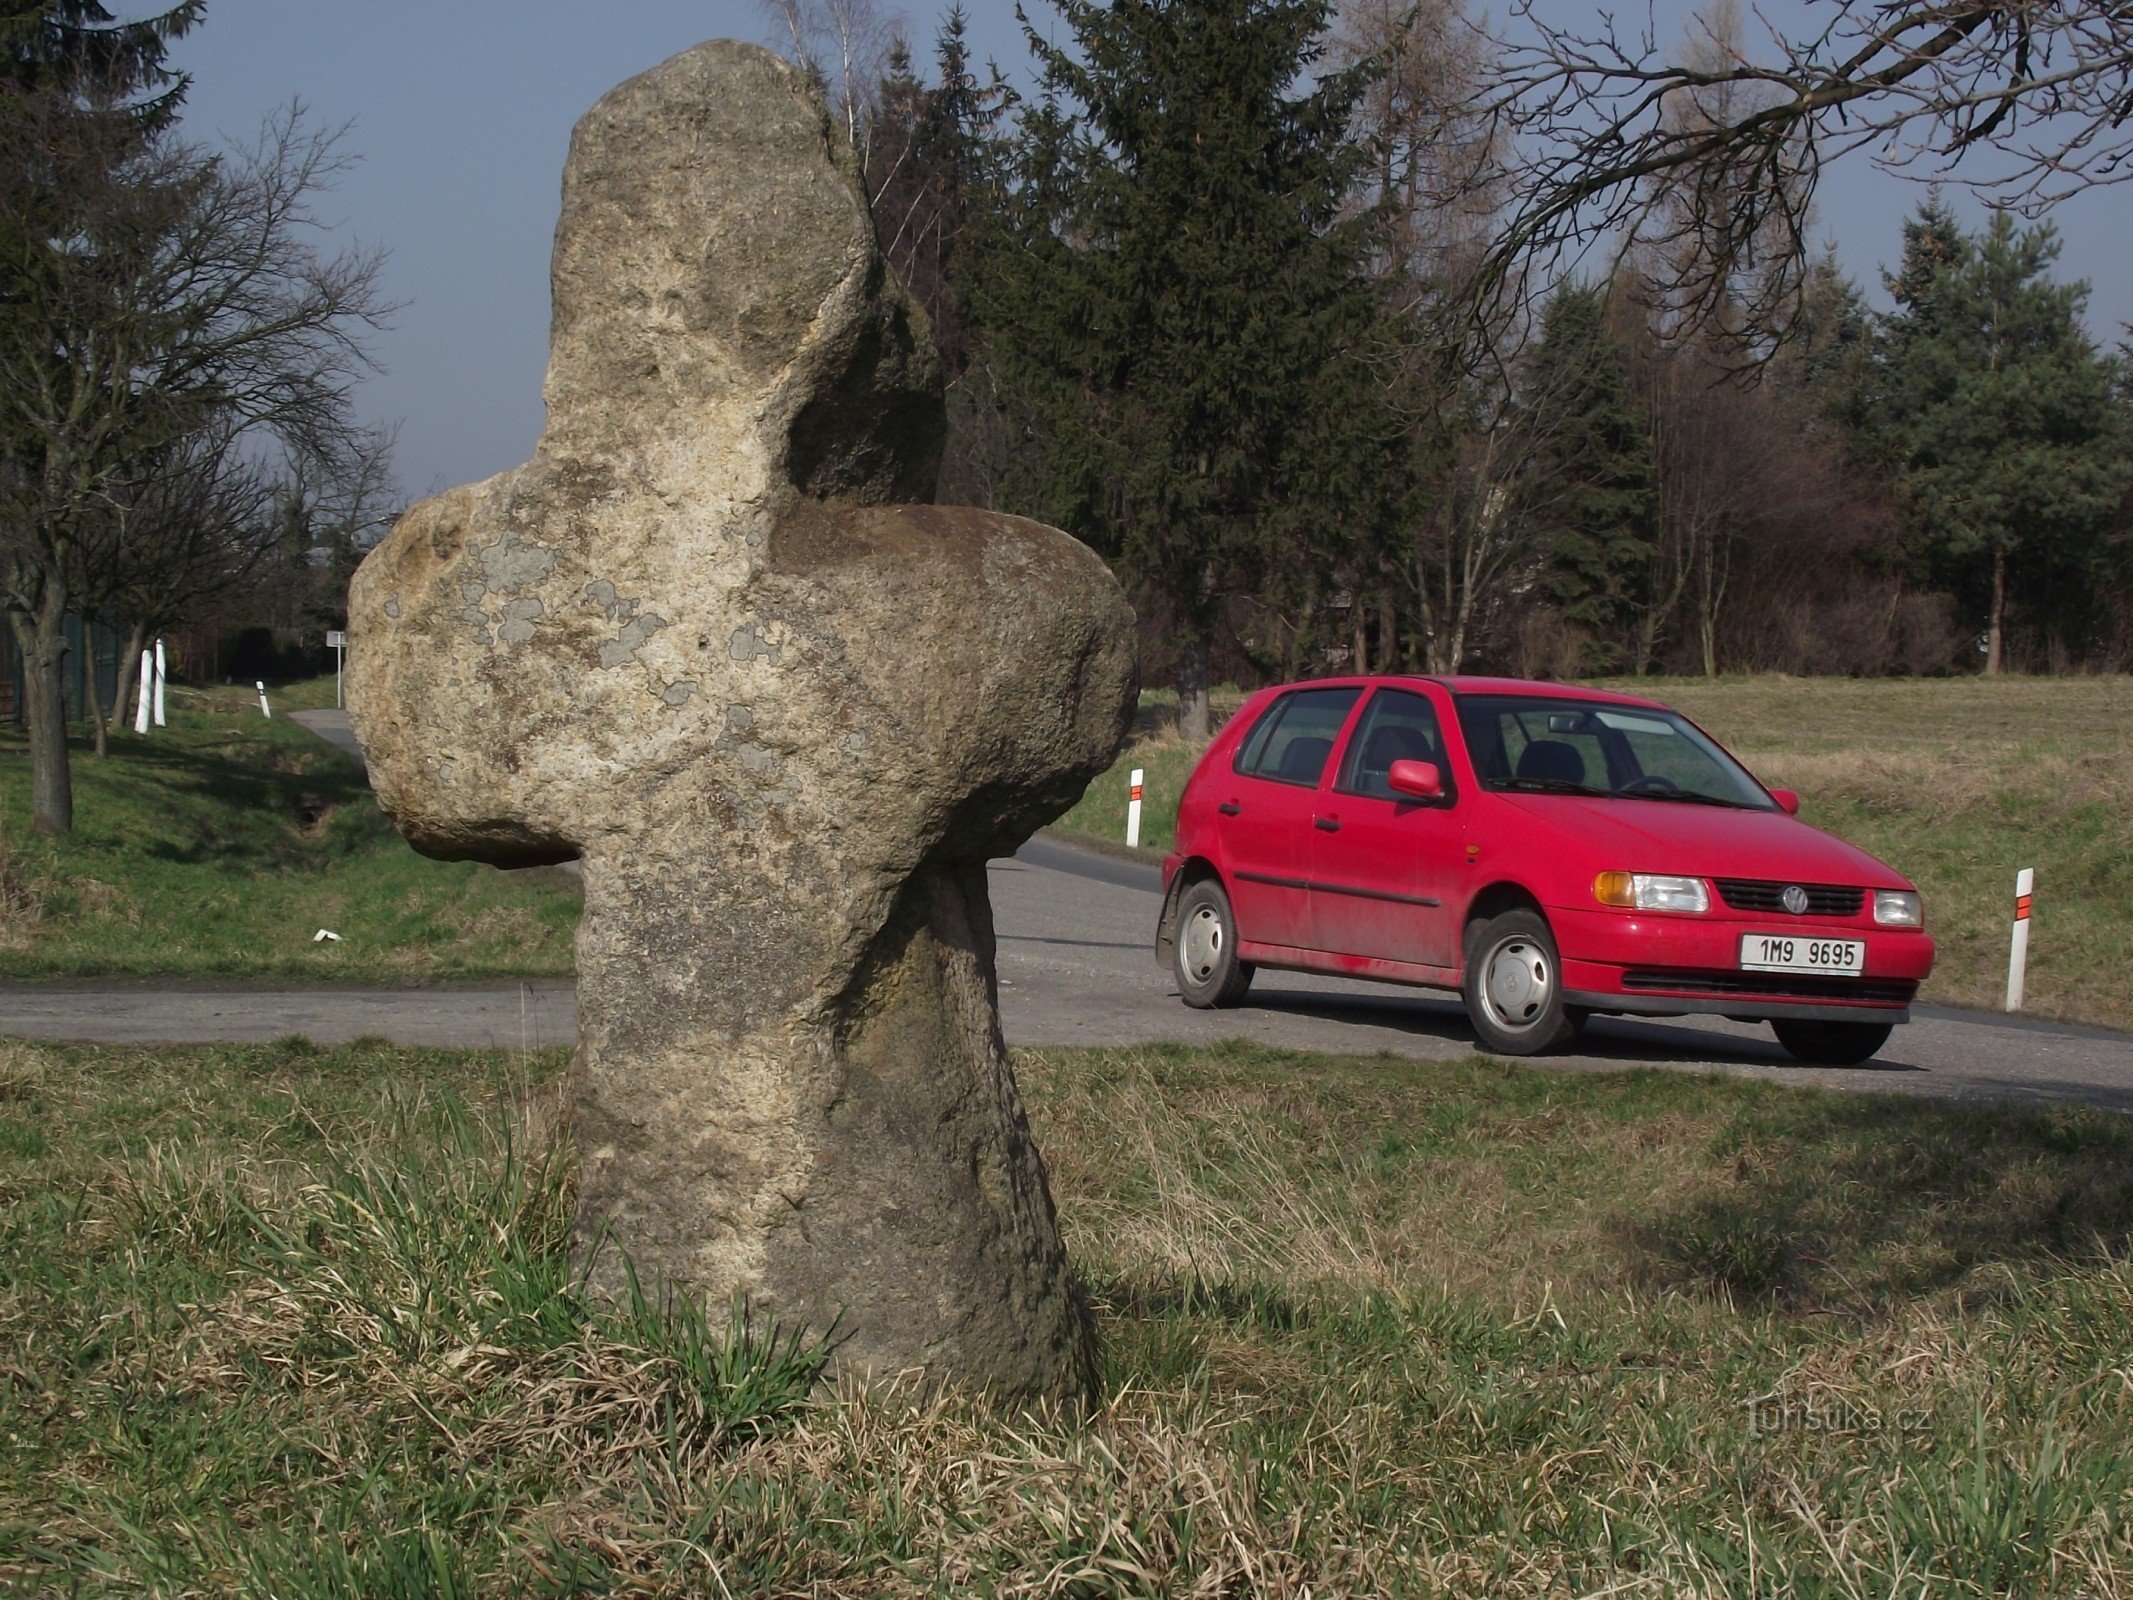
<point>1550,786</point>
<point>1690,795</point>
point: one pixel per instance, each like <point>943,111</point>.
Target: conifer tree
<point>81,95</point>
<point>1183,310</point>
<point>1999,417</point>
<point>1598,462</point>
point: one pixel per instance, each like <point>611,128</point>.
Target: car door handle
<point>1229,808</point>
<point>1326,824</point>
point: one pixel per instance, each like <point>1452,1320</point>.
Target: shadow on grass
<point>268,795</point>
<point>1852,1203</point>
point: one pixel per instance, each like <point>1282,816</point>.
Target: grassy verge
<point>222,844</point>
<point>1956,782</point>
<point>273,1322</point>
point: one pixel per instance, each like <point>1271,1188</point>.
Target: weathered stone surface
<point>783,719</point>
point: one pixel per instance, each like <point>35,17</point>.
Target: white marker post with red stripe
<point>2018,954</point>
<point>1133,811</point>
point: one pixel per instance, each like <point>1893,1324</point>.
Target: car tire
<point>1204,949</point>
<point>1832,1044</point>
<point>1514,985</point>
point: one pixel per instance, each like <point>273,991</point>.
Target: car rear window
<point>1291,742</point>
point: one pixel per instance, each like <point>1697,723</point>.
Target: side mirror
<point>1788,801</point>
<point>1419,780</point>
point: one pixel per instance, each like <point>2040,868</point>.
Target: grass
<point>222,844</point>
<point>289,1322</point>
<point>1956,782</point>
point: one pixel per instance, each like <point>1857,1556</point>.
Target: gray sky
<point>461,112</point>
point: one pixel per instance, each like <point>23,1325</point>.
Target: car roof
<point>1536,687</point>
<point>1530,687</point>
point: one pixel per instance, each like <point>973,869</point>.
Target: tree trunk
<point>1995,632</point>
<point>129,674</point>
<point>1359,621</point>
<point>92,691</point>
<point>1192,689</point>
<point>1388,638</point>
<point>44,652</point>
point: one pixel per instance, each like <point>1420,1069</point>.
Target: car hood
<point>1698,841</point>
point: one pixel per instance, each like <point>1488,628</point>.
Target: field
<point>286,1322</point>
<point>221,845</point>
<point>1956,782</point>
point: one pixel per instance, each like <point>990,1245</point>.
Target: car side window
<point>1295,737</point>
<point>1397,726</point>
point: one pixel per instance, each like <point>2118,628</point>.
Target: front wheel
<point>1832,1044</point>
<point>1514,986</point>
<point>1209,974</point>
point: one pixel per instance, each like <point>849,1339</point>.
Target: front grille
<point>1776,986</point>
<point>1823,899</point>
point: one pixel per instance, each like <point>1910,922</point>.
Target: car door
<point>1386,868</point>
<point>1266,806</point>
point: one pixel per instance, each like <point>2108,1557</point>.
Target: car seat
<point>1551,761</point>
<point>1304,759</point>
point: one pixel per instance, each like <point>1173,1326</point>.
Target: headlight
<point>1645,891</point>
<point>1899,908</point>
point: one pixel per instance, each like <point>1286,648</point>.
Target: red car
<point>1547,851</point>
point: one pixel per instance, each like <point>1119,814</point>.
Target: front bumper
<point>1664,965</point>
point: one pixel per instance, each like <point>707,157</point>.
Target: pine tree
<point>1183,309</point>
<point>1597,462</point>
<point>2001,420</point>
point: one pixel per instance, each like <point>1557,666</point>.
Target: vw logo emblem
<point>1794,899</point>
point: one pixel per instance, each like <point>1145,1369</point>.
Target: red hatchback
<point>1547,851</point>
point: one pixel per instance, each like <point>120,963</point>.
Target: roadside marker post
<point>2018,953</point>
<point>140,707</point>
<point>337,642</point>
<point>264,709</point>
<point>159,683</point>
<point>1133,811</point>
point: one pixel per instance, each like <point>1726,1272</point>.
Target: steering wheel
<point>1651,782</point>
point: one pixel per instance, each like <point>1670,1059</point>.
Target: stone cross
<point>704,642</point>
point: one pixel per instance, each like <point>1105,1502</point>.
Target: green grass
<point>222,844</point>
<point>1956,782</point>
<point>296,1322</point>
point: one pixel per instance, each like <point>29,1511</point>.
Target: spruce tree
<point>1183,310</point>
<point>2000,421</point>
<point>1596,460</point>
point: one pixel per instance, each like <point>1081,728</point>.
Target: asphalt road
<point>1076,968</point>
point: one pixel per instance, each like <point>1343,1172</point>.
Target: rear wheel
<point>1205,949</point>
<point>1832,1044</point>
<point>1514,986</point>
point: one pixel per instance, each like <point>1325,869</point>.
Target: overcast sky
<point>461,113</point>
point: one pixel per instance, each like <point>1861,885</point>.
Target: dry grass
<point>273,1322</point>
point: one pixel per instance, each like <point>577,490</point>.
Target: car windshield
<point>1541,746</point>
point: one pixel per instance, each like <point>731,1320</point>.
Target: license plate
<point>1788,952</point>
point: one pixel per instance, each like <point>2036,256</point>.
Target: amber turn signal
<point>1615,889</point>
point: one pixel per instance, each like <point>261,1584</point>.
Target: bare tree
<point>179,291</point>
<point>2025,101</point>
<point>844,44</point>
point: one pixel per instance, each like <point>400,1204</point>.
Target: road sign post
<point>2018,952</point>
<point>337,642</point>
